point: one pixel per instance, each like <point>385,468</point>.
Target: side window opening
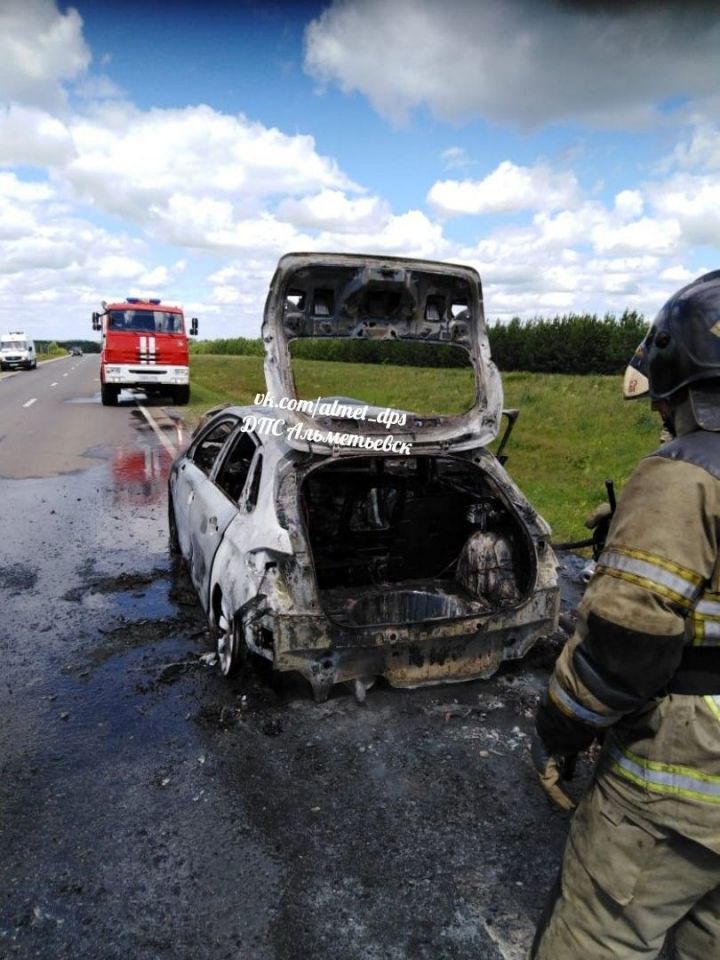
<point>209,446</point>
<point>254,492</point>
<point>234,470</point>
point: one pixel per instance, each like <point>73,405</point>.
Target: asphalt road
<point>150,809</point>
<point>51,420</point>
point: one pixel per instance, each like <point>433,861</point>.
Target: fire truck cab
<point>144,347</point>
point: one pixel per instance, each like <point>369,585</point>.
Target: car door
<point>192,474</point>
<point>215,505</point>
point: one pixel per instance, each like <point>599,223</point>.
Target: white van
<point>17,350</point>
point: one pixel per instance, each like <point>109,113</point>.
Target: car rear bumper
<point>410,655</point>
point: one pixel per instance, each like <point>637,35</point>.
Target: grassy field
<point>573,433</point>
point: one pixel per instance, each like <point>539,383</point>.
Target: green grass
<point>219,379</point>
<point>51,353</point>
<point>573,433</point>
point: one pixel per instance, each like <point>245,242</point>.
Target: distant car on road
<point>17,350</point>
<point>332,544</point>
<point>76,352</point>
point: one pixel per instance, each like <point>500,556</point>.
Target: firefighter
<point>642,673</point>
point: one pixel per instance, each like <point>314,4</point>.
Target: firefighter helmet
<point>683,344</point>
<point>682,347</point>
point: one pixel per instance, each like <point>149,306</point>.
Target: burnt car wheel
<point>230,645</point>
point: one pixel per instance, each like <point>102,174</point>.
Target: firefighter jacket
<point>643,666</point>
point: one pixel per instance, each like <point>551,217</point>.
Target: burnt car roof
<point>351,296</point>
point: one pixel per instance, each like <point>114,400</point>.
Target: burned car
<point>348,540</point>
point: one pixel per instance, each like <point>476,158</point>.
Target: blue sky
<point>568,150</point>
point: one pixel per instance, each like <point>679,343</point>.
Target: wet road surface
<point>149,808</point>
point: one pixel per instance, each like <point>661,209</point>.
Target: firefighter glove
<point>599,523</point>
<point>551,769</point>
<point>557,741</point>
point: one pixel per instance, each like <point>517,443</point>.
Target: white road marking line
<point>171,449</point>
<point>54,384</point>
<point>30,402</point>
<point>64,374</point>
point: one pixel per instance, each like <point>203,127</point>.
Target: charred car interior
<point>312,543</point>
<point>422,538</point>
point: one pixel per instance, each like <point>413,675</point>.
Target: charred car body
<point>335,544</point>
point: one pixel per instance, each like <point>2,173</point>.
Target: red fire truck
<point>144,346</point>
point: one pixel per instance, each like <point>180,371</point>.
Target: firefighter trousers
<point>624,885</point>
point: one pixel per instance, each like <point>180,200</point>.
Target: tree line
<point>58,346</point>
<point>572,343</point>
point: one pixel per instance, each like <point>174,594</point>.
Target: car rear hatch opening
<point>414,539</point>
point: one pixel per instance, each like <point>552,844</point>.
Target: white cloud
<point>639,266</point>
<point>622,230</point>
<point>695,203</point>
<point>332,210</point>
<point>40,48</point>
<point>33,137</point>
<point>410,234</point>
<point>629,203</point>
<point>646,235</point>
<point>517,61</point>
<point>607,265</point>
<point>678,275</point>
<point>226,294</point>
<point>703,149</point>
<point>152,281</point>
<point>570,227</point>
<point>455,157</point>
<point>263,233</point>
<point>192,172</point>
<point>188,220</point>
<point>242,285</point>
<point>21,206</point>
<point>15,222</point>
<point>98,87</point>
<point>116,267</point>
<point>509,188</point>
<point>169,150</point>
<point>47,249</point>
<point>13,188</point>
